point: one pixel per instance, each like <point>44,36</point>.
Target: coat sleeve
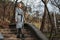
<point>16,14</point>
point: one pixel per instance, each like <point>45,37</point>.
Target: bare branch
<point>56,3</point>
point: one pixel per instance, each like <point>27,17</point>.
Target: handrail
<point>38,33</point>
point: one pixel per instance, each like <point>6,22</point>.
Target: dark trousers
<point>19,33</point>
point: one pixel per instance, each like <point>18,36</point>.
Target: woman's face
<point>20,5</point>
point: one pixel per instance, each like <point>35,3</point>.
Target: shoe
<point>18,36</point>
<point>23,37</point>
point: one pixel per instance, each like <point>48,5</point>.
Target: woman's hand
<point>15,21</point>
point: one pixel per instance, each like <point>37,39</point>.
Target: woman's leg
<point>18,32</point>
<point>22,33</point>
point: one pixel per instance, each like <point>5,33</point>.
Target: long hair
<point>23,6</point>
<point>20,3</point>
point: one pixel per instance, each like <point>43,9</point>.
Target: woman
<point>19,18</point>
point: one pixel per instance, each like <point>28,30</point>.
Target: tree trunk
<point>52,24</point>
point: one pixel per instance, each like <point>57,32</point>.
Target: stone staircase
<point>10,34</point>
<point>58,24</point>
<point>57,35</point>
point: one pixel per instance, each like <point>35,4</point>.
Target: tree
<point>56,3</point>
<point>50,19</point>
<point>0,0</point>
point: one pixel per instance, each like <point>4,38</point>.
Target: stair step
<point>12,39</point>
<point>9,34</point>
<point>30,39</point>
<point>56,38</point>
<point>59,21</point>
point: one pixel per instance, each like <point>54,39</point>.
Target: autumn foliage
<point>6,13</point>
